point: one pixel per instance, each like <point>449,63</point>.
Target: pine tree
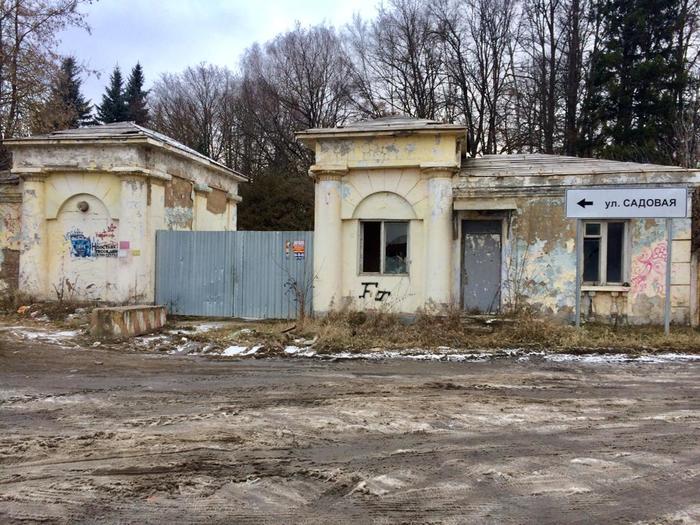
<point>113,107</point>
<point>135,96</point>
<point>634,80</point>
<point>66,106</point>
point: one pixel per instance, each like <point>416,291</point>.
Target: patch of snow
<point>29,334</point>
<point>621,358</point>
<point>299,351</point>
<point>208,327</point>
<point>235,351</point>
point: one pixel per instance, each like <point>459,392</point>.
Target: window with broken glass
<point>384,247</point>
<point>604,252</point>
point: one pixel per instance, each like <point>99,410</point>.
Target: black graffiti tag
<point>380,295</point>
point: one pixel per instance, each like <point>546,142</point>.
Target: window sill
<point>605,288</point>
<point>382,275</point>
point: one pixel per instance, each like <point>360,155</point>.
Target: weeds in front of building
<point>358,331</point>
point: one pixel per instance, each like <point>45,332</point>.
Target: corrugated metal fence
<point>234,274</point>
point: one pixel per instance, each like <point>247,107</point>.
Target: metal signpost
<point>627,203</point>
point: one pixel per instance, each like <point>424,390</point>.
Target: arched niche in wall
<point>384,205</point>
<point>83,249</point>
<point>62,188</point>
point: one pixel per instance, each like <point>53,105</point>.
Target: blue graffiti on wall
<point>80,246</point>
<point>102,245</point>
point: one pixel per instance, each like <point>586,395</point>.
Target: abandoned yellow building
<point>403,222</point>
<point>82,207</point>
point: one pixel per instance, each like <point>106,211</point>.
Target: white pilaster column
<point>232,222</point>
<point>438,235</point>
<point>33,257</point>
<point>328,248</point>
<point>136,271</point>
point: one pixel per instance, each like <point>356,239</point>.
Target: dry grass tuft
<point>362,331</point>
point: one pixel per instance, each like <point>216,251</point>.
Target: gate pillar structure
<point>438,234</point>
<point>328,246</point>
<point>33,255</point>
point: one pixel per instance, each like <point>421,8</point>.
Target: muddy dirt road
<point>93,436</point>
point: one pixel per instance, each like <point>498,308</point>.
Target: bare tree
<point>189,107</point>
<point>298,80</point>
<point>28,57</point>
<point>399,61</point>
<point>479,38</point>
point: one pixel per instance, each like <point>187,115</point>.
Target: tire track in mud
<point>282,441</point>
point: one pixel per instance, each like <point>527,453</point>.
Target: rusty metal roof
<point>117,131</point>
<point>543,164</point>
<point>383,125</point>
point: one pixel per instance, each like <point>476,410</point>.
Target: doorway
<point>481,265</point>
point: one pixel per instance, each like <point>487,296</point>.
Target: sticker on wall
<point>135,253</point>
<point>299,249</point>
<point>123,248</point>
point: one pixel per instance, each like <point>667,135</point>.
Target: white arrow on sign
<point>626,203</point>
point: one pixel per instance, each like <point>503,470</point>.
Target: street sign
<point>628,203</point>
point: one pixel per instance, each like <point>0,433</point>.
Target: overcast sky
<point>169,35</point>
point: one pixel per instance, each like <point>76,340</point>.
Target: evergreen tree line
<point>125,103</point>
<point>66,107</point>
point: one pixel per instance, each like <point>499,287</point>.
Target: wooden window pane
<point>396,249</point>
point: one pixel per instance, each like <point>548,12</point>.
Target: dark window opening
<point>384,247</point>
<point>604,252</point>
<point>396,249</point>
<point>616,238</point>
<point>591,260</point>
<point>371,247</point>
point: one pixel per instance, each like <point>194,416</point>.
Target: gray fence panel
<point>234,274</point>
<point>191,273</point>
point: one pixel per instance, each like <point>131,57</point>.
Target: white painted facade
<point>413,172</point>
<point>93,199</point>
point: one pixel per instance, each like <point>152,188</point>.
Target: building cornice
<point>328,171</point>
<point>34,173</point>
<point>136,141</point>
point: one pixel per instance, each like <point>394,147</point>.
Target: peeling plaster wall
<point>86,156</point>
<point>10,210</point>
<point>107,252</point>
<point>393,177</point>
<point>539,250</point>
<point>541,264</point>
<point>393,151</point>
<point>182,167</point>
<point>83,250</point>
<point>387,195</point>
<point>179,203</point>
<point>382,178</point>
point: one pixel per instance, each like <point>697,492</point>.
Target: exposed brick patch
<point>9,269</point>
<point>179,204</point>
<point>178,193</point>
<point>216,201</point>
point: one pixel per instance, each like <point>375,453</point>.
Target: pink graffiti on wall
<point>649,268</point>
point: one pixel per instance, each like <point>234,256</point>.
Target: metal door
<point>481,266</point>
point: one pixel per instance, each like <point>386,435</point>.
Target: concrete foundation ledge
<point>126,321</point>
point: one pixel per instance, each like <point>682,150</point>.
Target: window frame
<point>603,252</point>
<point>382,246</point>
